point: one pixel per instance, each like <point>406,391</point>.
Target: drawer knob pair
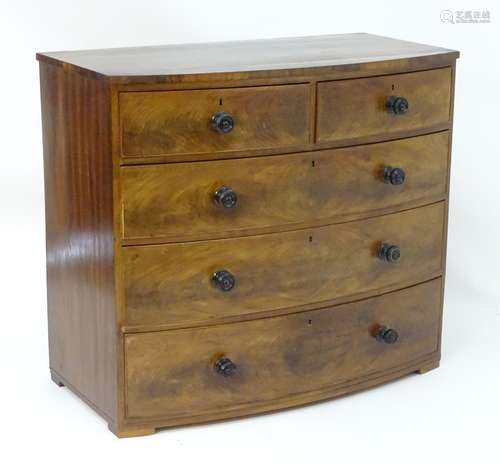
<point>225,280</point>
<point>394,175</point>
<point>386,335</point>
<point>225,367</point>
<point>222,122</point>
<point>397,105</point>
<point>227,198</point>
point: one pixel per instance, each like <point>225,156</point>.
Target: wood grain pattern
<point>277,357</point>
<point>141,426</point>
<point>355,108</point>
<point>172,283</point>
<point>173,202</point>
<point>247,59</point>
<point>79,223</point>
<point>174,122</point>
<point>130,160</point>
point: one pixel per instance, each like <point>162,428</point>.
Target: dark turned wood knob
<point>224,280</point>
<point>397,105</point>
<point>389,253</point>
<point>386,335</point>
<point>394,175</point>
<point>222,122</point>
<point>226,197</point>
<point>225,367</point>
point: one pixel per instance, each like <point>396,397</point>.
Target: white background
<point>449,417</point>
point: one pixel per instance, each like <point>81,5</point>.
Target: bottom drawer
<point>219,369</point>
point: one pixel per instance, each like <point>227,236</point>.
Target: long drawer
<point>193,281</point>
<point>368,107</point>
<point>226,198</point>
<point>213,370</point>
<point>191,122</point>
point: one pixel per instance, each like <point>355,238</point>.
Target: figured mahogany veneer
<point>349,109</point>
<point>170,122</point>
<point>234,228</point>
<point>169,202</point>
<point>291,357</point>
<point>172,283</point>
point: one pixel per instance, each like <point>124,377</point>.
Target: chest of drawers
<point>235,228</point>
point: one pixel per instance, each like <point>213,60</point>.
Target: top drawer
<point>360,108</point>
<point>182,122</point>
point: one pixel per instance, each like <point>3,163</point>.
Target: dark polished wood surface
<point>134,236</point>
<point>246,56</point>
<point>173,202</point>
<point>278,357</point>
<point>178,122</point>
<point>349,109</point>
<point>173,283</point>
<point>79,227</point>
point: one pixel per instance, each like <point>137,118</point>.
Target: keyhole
<point>310,238</point>
<point>309,322</point>
<point>220,100</point>
<point>393,87</point>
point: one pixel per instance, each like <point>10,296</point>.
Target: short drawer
<point>229,197</point>
<point>193,281</point>
<point>366,107</point>
<point>212,370</point>
<point>214,120</point>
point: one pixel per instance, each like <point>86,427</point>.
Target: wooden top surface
<point>243,56</point>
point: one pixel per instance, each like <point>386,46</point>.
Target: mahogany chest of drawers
<point>234,228</point>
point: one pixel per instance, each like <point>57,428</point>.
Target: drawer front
<point>183,201</point>
<point>357,108</point>
<point>181,122</point>
<point>182,372</point>
<point>176,283</point>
